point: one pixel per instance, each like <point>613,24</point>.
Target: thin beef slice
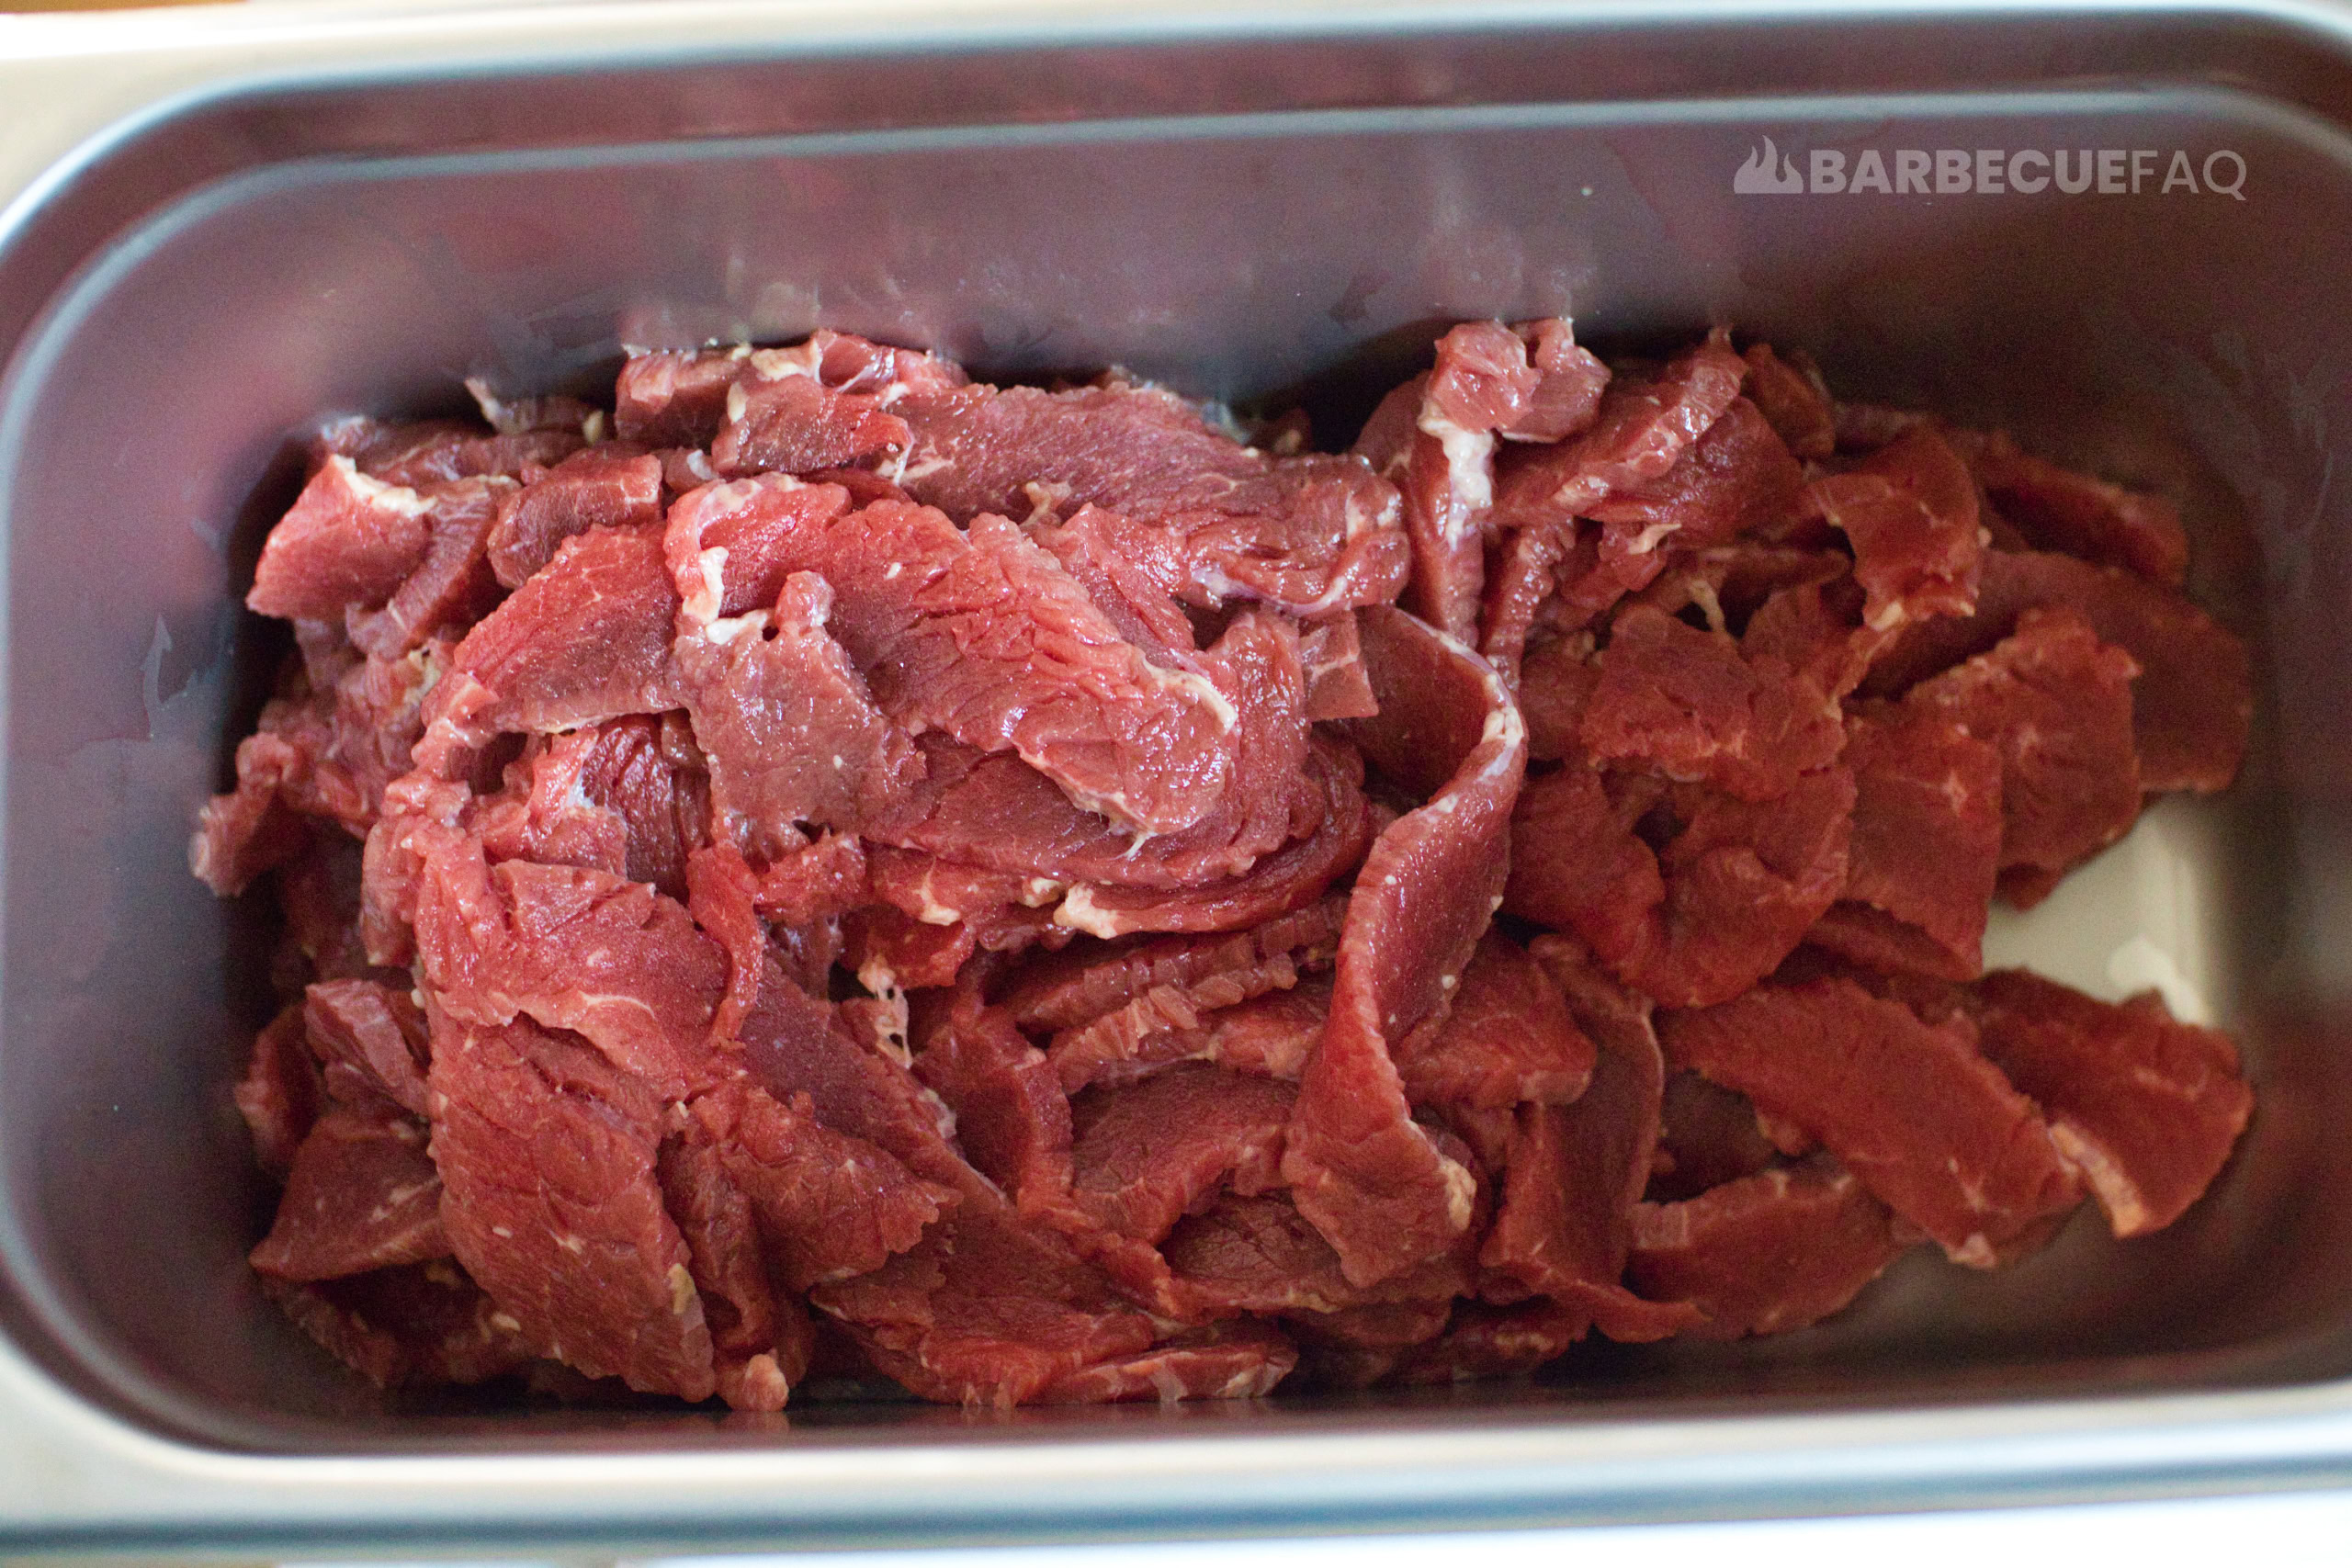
<point>1767,1253</point>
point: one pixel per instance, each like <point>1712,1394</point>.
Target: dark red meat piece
<point>362,1195</point>
<point>584,641</point>
<point>758,1351</point>
<point>596,488</point>
<point>1910,511</point>
<point>1736,478</point>
<point>348,542</point>
<point>372,1041</point>
<point>1789,395</point>
<point>2146,1107</point>
<point>794,424</point>
<point>1509,1038</point>
<point>2194,699</point>
<point>1925,845</point>
<point>1013,1118</point>
<point>1766,1253</point>
<point>1690,705</point>
<point>551,1203</point>
<point>1359,1169</point>
<point>1926,1124</point>
<point>279,1092</point>
<point>1145,1155</point>
<point>2056,703</point>
<point>408,1327</point>
<point>1240,1360</point>
<point>2057,508</point>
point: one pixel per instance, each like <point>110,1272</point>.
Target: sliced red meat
<point>759,1353</point>
<point>1767,1253</point>
<point>415,1326</point>
<point>676,398</point>
<point>1509,1038</point>
<point>796,425</point>
<point>1133,573</point>
<point>250,829</point>
<point>2058,509</point>
<point>599,487</point>
<point>1792,397</point>
<point>1085,983</point>
<point>1910,511</point>
<point>1556,687</point>
<point>1145,1155</point>
<point>584,641</point>
<point>1573,1174</point>
<point>828,1206</point>
<point>628,796</point>
<point>1642,427</point>
<point>985,1311</point>
<point>1259,1254</point>
<point>1361,1169</point>
<point>1926,846</point>
<point>2056,703</point>
<point>279,1092</point>
<point>1311,534</point>
<point>1736,478</point>
<point>1732,893</point>
<point>1239,1360</point>
<point>2194,699</point>
<point>1566,398</point>
<point>362,1195</point>
<point>348,542</point>
<point>1482,1341</point>
<point>318,892</point>
<point>1012,1118</point>
<point>982,635</point>
<point>551,1201</point>
<point>372,1040</point>
<point>790,726</point>
<point>576,950</point>
<point>1926,1124</point>
<point>1689,704</point>
<point>2146,1107</point>
<point>1707,1135</point>
<point>452,586</point>
<point>433,452</point>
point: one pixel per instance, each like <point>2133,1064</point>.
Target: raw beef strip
<point>1437,445</point>
<point>2057,508</point>
<point>1926,846</point>
<point>1766,1253</point>
<point>1556,687</point>
<point>1259,1254</point>
<point>279,1093</point>
<point>1164,1023</point>
<point>1928,1125</point>
<point>2056,702</point>
<point>1310,534</point>
<point>576,950</point>
<point>1736,478</point>
<point>1482,1341</point>
<point>1361,1169</point>
<point>1145,1155</point>
<point>1507,1038</point>
<point>452,586</point>
<point>1642,428</point>
<point>1791,396</point>
<point>1133,573</point>
<point>675,399</point>
<point>599,487</point>
<point>794,424</point>
<point>584,641</point>
<point>1013,1118</point>
<point>1290,878</point>
<point>759,1350</point>
<point>983,635</point>
<point>415,1326</point>
<point>1573,1175</point>
<point>362,1194</point>
<point>628,796</point>
<point>1689,704</point>
<point>1910,511</point>
<point>551,1201</point>
<point>372,1041</point>
<point>1087,983</point>
<point>1732,893</point>
<point>985,1311</point>
<point>348,542</point>
<point>320,893</point>
<point>1269,1036</point>
<point>2194,699</point>
<point>1707,1135</point>
<point>789,726</point>
<point>433,452</point>
<point>2146,1107</point>
<point>1570,381</point>
<point>1240,1360</point>
<point>830,1206</point>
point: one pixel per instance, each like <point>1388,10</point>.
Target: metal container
<point>225,223</point>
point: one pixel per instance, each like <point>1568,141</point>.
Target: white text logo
<point>1991,171</point>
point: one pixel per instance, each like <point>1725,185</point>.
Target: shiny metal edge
<point>75,1477</point>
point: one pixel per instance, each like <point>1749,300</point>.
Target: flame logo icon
<point>1768,172</point>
